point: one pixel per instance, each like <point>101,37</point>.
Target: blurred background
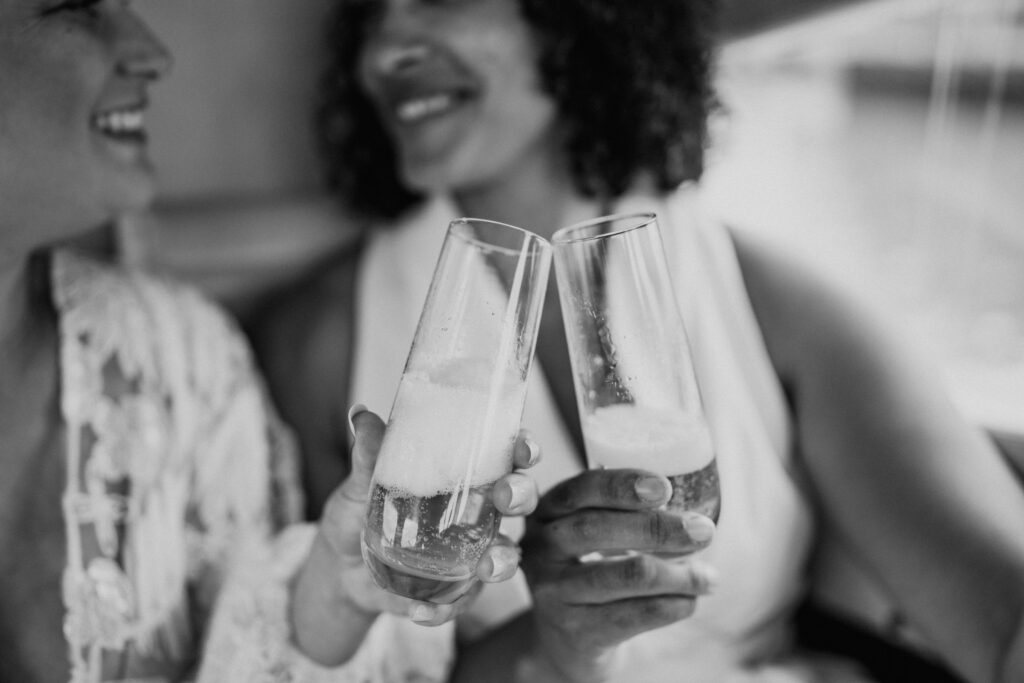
<point>234,115</point>
<point>883,139</point>
<point>886,142</point>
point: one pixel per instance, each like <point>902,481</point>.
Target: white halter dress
<point>765,529</point>
<point>741,634</point>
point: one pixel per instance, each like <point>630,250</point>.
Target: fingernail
<point>699,528</point>
<point>650,488</point>
<point>352,412</point>
<point>517,496</point>
<point>420,612</point>
<point>534,451</point>
<point>502,563</point>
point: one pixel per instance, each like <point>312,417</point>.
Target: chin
<point>437,172</point>
<point>424,179</point>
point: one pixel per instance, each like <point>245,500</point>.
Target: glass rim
<point>561,235</point>
<point>532,238</point>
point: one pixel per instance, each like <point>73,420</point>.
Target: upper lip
<point>141,102</point>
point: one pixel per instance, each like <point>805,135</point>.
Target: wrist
<point>558,659</point>
<point>327,624</point>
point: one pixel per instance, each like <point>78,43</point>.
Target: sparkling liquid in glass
<point>427,547</point>
<point>663,442</point>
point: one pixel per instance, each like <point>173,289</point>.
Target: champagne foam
<point>664,441</point>
<point>438,437</point>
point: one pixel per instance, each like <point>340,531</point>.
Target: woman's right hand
<point>335,599</point>
<point>583,609</point>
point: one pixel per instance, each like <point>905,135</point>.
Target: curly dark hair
<point>631,80</point>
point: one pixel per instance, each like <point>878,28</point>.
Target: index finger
<point>611,489</point>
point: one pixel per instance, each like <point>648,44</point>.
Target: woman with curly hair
<point>541,113</point>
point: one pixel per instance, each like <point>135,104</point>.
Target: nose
<point>393,57</point>
<point>140,53</point>
<point>396,41</point>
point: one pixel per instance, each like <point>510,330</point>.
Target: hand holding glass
<point>636,388</point>
<point>456,415</point>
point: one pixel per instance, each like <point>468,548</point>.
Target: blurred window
<point>886,141</point>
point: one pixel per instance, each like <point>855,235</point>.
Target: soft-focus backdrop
<point>884,140</point>
<point>233,117</point>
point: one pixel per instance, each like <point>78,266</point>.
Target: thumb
<point>368,432</point>
<point>342,521</point>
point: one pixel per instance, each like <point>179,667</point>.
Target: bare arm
<point>919,493</point>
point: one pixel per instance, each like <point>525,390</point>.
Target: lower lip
<point>138,137</point>
<point>127,149</point>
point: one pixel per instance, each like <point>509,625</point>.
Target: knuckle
<point>546,591</point>
<point>669,610</point>
<point>656,528</point>
<point>562,498</point>
<point>564,533</point>
<point>641,570</point>
<point>702,580</point>
<point>610,487</point>
<point>583,528</point>
<point>694,579</point>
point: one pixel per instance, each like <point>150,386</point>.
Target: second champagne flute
<point>636,388</point>
<point>456,415</point>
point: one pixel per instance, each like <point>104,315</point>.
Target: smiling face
<point>456,85</point>
<point>74,76</point>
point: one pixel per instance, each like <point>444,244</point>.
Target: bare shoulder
<point>808,318</point>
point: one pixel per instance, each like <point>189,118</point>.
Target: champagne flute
<point>636,389</point>
<point>457,412</point>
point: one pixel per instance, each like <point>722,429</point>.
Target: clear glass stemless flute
<point>457,411</point>
<point>636,388</point>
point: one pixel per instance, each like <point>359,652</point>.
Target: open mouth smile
<point>419,108</point>
<point>125,125</point>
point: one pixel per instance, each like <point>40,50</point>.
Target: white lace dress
<point>178,476</point>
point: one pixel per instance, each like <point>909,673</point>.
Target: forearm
<point>517,653</point>
<point>1011,665</point>
<point>326,625</point>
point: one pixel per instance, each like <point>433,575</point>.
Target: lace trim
<point>161,408</point>
<point>250,639</point>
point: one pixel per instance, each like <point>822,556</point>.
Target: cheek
<point>510,58</point>
<point>47,105</point>
<point>518,110</point>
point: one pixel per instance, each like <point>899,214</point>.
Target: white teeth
<point>121,121</point>
<point>422,107</point>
